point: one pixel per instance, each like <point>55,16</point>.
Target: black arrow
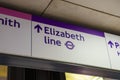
<point>38,28</point>
<point>111,44</point>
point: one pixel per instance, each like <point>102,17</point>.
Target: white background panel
<point>14,40</point>
<point>92,51</point>
<point>114,50</point>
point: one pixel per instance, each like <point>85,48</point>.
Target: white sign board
<point>62,44</point>
<point>26,35</point>
<point>113,43</point>
<point>15,32</point>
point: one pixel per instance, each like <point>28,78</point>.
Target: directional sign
<point>15,32</point>
<point>62,42</point>
<point>113,49</point>
<point>27,35</point>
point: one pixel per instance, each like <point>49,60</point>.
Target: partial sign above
<point>15,32</point>
<point>113,44</point>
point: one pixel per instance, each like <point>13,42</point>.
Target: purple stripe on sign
<point>15,13</point>
<point>68,26</point>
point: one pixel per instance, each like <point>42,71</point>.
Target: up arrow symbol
<point>111,44</point>
<point>38,28</point>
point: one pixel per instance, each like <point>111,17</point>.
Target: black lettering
<point>77,37</point>
<point>57,33</point>
<point>10,22</point>
<point>82,38</point>
<point>62,34</point>
<point>67,34</point>
<point>16,24</point>
<point>46,30</point>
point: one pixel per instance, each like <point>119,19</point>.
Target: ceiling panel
<point>109,6</point>
<point>76,14</point>
<point>29,5</point>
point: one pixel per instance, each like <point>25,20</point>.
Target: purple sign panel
<point>54,40</point>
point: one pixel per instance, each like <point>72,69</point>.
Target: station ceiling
<point>102,15</point>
